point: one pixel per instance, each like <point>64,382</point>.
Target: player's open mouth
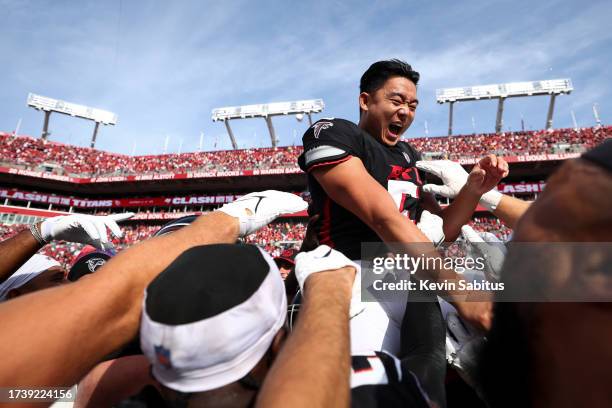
<point>394,130</point>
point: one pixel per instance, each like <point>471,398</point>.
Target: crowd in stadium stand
<point>275,237</point>
<point>514,143</point>
<point>279,236</point>
<point>31,153</point>
<point>493,225</point>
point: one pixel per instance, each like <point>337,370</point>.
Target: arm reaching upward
<point>506,208</point>
<point>102,312</point>
<point>313,367</point>
<point>349,184</point>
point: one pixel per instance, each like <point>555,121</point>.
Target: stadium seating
<point>278,236</point>
<point>35,154</point>
<point>493,225</point>
<point>514,143</point>
<point>31,153</point>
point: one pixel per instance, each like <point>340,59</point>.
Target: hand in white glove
<point>321,259</point>
<point>84,229</point>
<point>454,177</point>
<point>431,225</point>
<point>256,210</point>
<point>451,173</point>
<point>491,248</point>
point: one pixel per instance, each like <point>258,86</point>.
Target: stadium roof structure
<point>266,111</point>
<point>552,87</point>
<point>48,105</point>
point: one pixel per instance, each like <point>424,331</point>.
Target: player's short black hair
<point>379,72</point>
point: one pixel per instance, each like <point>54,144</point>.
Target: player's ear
<point>364,100</point>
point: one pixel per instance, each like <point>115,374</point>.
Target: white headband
<point>36,265</point>
<point>219,350</point>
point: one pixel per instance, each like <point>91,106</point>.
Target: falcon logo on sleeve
<point>319,126</point>
<point>95,263</point>
<point>406,157</point>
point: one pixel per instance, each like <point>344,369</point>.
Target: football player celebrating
<point>351,166</point>
<point>365,187</point>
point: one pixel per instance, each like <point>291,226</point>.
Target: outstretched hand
<point>84,229</point>
<point>487,174</point>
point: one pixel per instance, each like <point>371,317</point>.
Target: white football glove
<point>84,229</point>
<point>431,225</point>
<point>451,173</point>
<point>321,259</point>
<point>454,177</point>
<point>256,210</point>
<point>491,248</point>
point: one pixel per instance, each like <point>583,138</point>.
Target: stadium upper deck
<point>63,176</point>
<point>34,154</point>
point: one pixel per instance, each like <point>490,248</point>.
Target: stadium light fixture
<point>552,87</point>
<point>48,105</point>
<point>267,111</point>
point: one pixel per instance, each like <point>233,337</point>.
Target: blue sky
<point>163,66</point>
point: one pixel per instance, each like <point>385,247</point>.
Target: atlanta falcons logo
<point>319,126</point>
<point>94,263</point>
<point>406,157</point>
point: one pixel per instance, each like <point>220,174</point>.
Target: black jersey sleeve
<point>330,141</point>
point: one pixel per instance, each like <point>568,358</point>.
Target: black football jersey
<point>379,379</point>
<point>331,141</point>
